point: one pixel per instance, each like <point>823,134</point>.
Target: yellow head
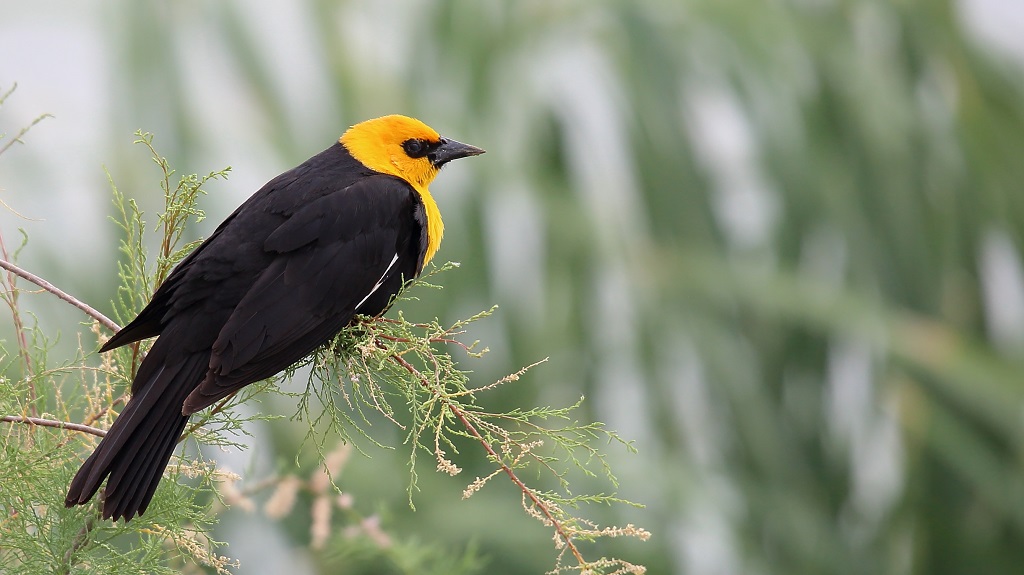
<point>403,147</point>
<point>409,149</point>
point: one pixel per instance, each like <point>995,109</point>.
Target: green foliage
<point>388,362</point>
<point>39,534</point>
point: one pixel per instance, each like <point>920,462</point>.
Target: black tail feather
<point>126,493</point>
<point>141,441</point>
<point>147,486</point>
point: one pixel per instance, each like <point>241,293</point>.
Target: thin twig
<point>54,423</point>
<point>103,411</point>
<point>19,328</point>
<point>559,528</point>
<point>90,311</point>
<point>398,322</point>
<point>461,415</point>
<point>444,340</point>
<point>17,139</point>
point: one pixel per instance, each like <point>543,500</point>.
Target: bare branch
<point>90,311</point>
<point>54,423</point>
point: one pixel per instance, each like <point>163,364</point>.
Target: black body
<point>282,275</point>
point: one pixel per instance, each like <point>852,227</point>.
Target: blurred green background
<point>778,244</point>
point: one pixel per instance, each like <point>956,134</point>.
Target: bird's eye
<point>415,148</point>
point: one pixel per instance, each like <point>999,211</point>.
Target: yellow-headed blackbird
<point>331,238</point>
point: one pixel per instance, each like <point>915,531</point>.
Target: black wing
<point>329,259</point>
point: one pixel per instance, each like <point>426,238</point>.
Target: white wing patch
<point>379,283</point>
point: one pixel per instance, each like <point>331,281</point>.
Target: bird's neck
<point>435,226</point>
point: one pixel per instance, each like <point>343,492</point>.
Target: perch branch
<point>54,423</point>
<point>89,310</point>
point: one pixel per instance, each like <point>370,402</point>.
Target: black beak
<point>450,150</point>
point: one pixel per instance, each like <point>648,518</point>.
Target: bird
<point>334,237</point>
